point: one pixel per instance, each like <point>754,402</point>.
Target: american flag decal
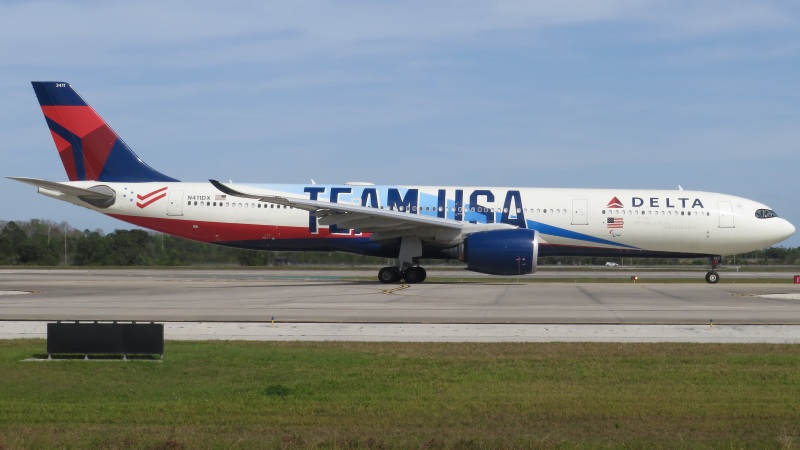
<point>615,222</point>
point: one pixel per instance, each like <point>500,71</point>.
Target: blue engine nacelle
<point>501,252</point>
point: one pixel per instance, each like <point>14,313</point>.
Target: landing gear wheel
<point>389,275</point>
<point>712,277</point>
<point>414,275</point>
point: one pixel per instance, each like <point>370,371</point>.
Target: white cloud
<point>521,92</point>
<point>177,34</point>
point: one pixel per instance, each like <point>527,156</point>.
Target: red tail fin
<point>89,148</point>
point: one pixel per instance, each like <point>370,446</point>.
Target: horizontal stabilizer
<point>65,188</point>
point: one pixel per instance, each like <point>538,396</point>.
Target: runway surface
<point>301,299</point>
<point>415,332</point>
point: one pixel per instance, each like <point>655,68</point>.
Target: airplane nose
<point>786,229</point>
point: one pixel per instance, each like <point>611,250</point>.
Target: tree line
<point>46,243</point>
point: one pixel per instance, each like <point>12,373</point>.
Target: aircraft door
<point>175,207</point>
<point>579,208</point>
<point>725,215</point>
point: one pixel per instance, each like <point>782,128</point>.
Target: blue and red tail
<point>89,148</point>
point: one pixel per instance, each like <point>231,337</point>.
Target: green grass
<point>405,395</point>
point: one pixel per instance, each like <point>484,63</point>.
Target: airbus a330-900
<point>493,230</point>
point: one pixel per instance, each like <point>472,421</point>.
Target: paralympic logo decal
<point>149,199</point>
<point>614,224</point>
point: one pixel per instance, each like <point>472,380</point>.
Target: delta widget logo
<point>615,224</point>
<point>614,203</point>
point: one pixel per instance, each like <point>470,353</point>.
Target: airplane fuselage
<point>494,230</point>
<point>588,222</point>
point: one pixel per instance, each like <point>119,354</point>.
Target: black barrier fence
<point>92,338</point>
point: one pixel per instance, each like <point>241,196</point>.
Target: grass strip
<point>406,395</point>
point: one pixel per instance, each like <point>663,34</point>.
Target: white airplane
<point>494,230</point>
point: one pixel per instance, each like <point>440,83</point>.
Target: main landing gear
<point>410,250</point>
<point>411,275</point>
<point>712,277</point>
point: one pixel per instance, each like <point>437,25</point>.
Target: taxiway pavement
<point>351,305</point>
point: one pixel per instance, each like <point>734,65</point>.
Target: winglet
<point>233,192</point>
<point>66,189</point>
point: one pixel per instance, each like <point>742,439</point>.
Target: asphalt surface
<point>352,306</point>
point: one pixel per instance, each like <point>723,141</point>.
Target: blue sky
<point>586,93</point>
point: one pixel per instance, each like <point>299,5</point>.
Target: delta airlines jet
<point>494,230</point>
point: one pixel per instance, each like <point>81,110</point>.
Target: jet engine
<point>500,252</point>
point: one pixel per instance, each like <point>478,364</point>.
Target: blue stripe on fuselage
<point>544,228</point>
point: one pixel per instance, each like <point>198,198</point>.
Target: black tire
<point>414,275</point>
<point>424,274</point>
<point>388,275</point>
<point>712,277</point>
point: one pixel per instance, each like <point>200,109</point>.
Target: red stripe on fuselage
<point>226,232</point>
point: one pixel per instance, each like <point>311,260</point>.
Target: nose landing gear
<point>712,277</point>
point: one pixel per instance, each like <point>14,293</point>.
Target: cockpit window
<point>765,213</point>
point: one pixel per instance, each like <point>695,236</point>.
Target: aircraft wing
<point>383,223</point>
<point>65,189</point>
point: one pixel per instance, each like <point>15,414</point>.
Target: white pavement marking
<point>13,292</point>
<point>791,296</point>
<point>249,331</point>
